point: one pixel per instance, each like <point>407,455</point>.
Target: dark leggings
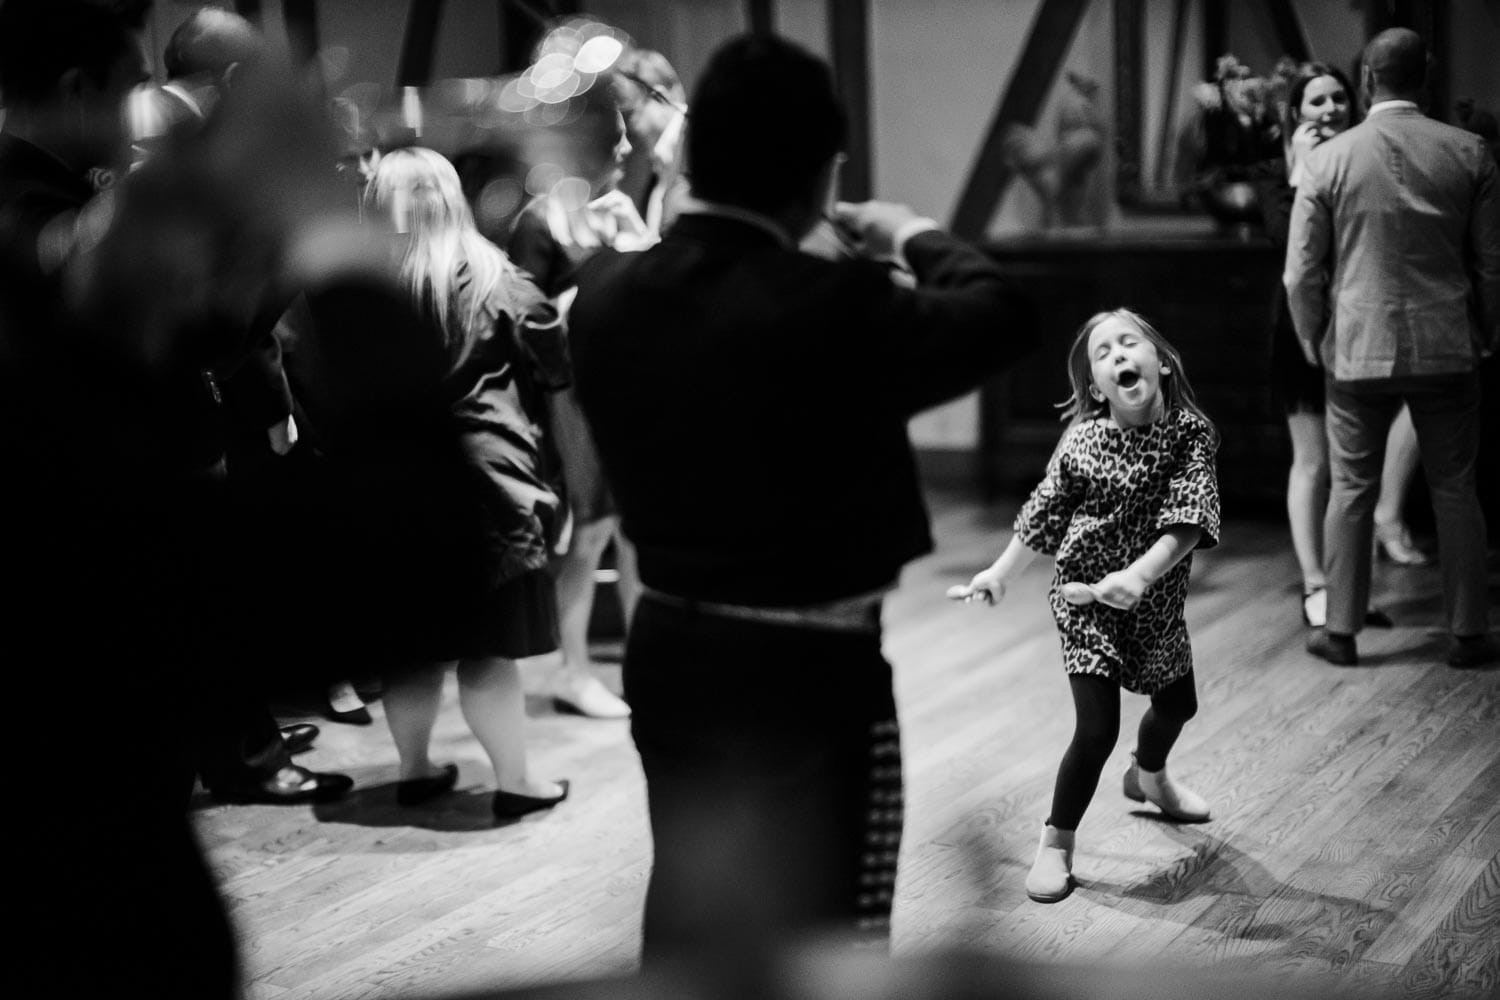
<point>1096,703</point>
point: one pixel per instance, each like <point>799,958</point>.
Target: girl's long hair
<point>420,191</point>
<point>1176,390</point>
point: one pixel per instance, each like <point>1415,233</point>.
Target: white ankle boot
<point>1174,800</point>
<point>1051,876</point>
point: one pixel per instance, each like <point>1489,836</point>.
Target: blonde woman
<point>506,353</point>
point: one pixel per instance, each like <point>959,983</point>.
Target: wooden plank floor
<point>1355,834</point>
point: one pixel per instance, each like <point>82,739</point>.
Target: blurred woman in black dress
<point>505,346</point>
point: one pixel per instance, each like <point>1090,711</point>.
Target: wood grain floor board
<point>1426,911</point>
<point>1354,841</point>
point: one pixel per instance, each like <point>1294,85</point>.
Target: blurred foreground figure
<point>750,404</point>
<point>130,564</point>
<point>91,526</point>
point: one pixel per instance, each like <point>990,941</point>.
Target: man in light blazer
<point>1393,278</point>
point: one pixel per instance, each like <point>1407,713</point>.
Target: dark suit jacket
<point>750,403</point>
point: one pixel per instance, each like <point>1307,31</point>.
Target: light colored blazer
<point>1393,259</point>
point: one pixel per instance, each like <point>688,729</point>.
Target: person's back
<point>764,459</point>
<point>1393,281</point>
<point>1403,190</point>
<point>749,403</point>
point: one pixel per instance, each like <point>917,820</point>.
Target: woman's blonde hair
<point>1176,390</point>
<point>420,191</point>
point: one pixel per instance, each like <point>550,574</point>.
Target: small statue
<point>1060,171</point>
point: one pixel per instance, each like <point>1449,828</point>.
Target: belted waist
<point>855,614</point>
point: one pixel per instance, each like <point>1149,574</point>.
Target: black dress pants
<point>236,740</point>
<point>772,758</point>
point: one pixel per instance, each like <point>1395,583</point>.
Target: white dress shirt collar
<point>697,206</point>
<point>1394,105</point>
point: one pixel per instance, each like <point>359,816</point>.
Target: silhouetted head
<point>650,92</point>
<point>66,69</point>
<point>210,44</point>
<point>1394,66</point>
<point>764,129</point>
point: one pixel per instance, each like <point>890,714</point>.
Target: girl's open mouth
<point>1128,379</point>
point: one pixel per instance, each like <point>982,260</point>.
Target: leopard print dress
<point>1108,495</point>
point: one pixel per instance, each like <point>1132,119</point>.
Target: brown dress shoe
<point>1333,647</point>
<point>292,785</point>
<point>1470,651</point>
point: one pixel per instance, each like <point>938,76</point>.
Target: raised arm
<point>964,320</point>
<point>989,584</point>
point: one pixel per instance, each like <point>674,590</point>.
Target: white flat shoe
<point>1051,876</point>
<point>1174,800</point>
<point>590,698</point>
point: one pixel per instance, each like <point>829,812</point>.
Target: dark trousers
<point>236,740</point>
<point>1445,412</point>
<point>773,774</point>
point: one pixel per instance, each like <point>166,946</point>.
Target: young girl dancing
<point>1128,495</point>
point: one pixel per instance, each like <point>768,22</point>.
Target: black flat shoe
<point>354,717</point>
<point>509,805</point>
<point>298,738</point>
<point>292,785</point>
<point>415,791</point>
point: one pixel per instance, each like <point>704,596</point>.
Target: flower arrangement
<point>1239,121</point>
<point>1234,139</point>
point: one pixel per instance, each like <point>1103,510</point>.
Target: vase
<point>1234,204</point>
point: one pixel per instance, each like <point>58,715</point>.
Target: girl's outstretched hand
<point>986,586</point>
<point>1122,589</point>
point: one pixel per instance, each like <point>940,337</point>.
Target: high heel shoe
<point>415,791</point>
<point>1393,542</point>
<point>1315,607</point>
<point>1315,611</point>
<point>510,805</point>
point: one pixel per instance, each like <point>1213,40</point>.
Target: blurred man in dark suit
<point>750,404</point>
<point>91,495</point>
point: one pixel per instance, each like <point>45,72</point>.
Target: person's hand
<point>283,435</point>
<point>1305,138</point>
<point>1078,593</point>
<point>1122,589</point>
<point>986,586</point>
<point>872,225</point>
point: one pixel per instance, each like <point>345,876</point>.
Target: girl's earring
<point>1166,370</point>
<point>1095,394</point>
